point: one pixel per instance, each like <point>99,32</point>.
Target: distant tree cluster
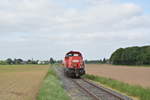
<point>10,61</point>
<point>52,61</point>
<point>131,56</point>
<point>101,61</point>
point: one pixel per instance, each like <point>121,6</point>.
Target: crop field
<point>128,74</point>
<point>21,82</point>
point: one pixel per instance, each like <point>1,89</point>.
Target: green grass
<point>51,88</point>
<point>135,91</point>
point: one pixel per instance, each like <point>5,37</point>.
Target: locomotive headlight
<point>75,61</point>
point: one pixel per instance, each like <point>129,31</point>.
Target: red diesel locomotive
<point>74,64</point>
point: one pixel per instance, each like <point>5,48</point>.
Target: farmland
<point>21,82</point>
<point>132,75</point>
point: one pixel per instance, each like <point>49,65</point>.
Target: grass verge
<point>132,65</point>
<point>51,88</point>
<point>135,91</point>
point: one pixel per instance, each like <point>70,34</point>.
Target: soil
<point>21,84</point>
<point>128,74</point>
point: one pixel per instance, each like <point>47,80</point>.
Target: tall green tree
<point>131,56</point>
<point>52,61</point>
<point>9,61</point>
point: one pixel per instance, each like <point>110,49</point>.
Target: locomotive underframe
<point>74,72</point>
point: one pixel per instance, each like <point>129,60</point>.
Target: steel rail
<point>86,90</point>
<point>102,89</point>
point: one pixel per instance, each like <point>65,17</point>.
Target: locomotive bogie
<point>72,72</point>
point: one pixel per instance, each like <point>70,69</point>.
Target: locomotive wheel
<point>77,75</point>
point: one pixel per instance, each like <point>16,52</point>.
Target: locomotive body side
<point>74,64</point>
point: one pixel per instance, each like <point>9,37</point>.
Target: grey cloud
<point>44,28</point>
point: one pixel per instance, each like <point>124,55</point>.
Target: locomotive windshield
<point>76,55</point>
<point>72,54</point>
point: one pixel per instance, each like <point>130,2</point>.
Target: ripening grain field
<point>21,82</point>
<point>129,74</point>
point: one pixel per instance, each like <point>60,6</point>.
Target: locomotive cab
<point>74,64</point>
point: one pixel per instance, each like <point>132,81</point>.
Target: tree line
<point>131,56</point>
<point>122,56</point>
<point>101,61</point>
<point>10,61</point>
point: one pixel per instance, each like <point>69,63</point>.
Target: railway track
<point>97,92</point>
<point>82,89</point>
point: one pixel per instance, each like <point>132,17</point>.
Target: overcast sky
<point>41,29</point>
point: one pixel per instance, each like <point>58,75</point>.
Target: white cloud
<point>46,27</point>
